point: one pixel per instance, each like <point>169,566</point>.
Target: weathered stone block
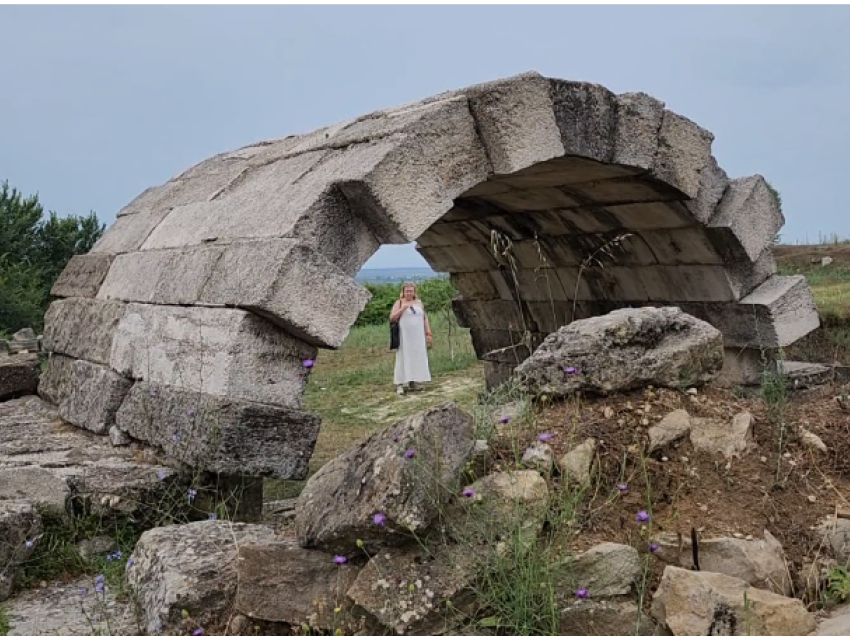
<point>128,233</point>
<point>405,472</point>
<point>216,351</point>
<point>282,582</point>
<point>220,434</point>
<point>586,115</point>
<point>639,118</point>
<point>82,328</point>
<point>287,283</point>
<point>609,617</point>
<point>608,569</point>
<point>37,485</point>
<point>93,396</point>
<point>684,149</point>
<point>19,375</point>
<point>751,213</point>
<point>189,567</point>
<point>83,275</point>
<point>54,383</point>
<point>20,527</point>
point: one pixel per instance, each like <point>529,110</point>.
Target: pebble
<point>691,391</point>
<point>704,508</point>
<point>812,498</point>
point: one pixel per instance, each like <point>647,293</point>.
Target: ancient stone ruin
<point>190,324</point>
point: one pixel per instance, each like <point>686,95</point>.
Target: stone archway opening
<point>191,324</point>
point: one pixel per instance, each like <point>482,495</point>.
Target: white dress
<point>411,358</point>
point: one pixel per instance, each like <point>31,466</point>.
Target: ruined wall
<point>209,292</point>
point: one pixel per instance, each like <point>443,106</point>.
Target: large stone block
<point>19,375</point>
<point>54,383</point>
<point>129,232</point>
<point>189,568</point>
<point>287,283</point>
<point>20,529</point>
<point>221,435</point>
<point>639,118</point>
<point>92,397</point>
<point>405,472</point>
<point>83,275</point>
<point>82,328</point>
<point>684,149</point>
<point>750,212</point>
<point>217,351</point>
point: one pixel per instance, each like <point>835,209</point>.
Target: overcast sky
<point>98,103</point>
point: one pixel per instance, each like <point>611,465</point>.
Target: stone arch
<point>210,291</point>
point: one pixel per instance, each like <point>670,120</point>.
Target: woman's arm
<point>397,311</point>
<point>427,327</point>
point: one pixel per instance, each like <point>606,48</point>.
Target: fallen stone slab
<point>625,350</point>
<point>282,582</point>
<point>607,569</point>
<point>702,603</point>
<point>607,616</point>
<point>82,276</point>
<point>19,375</point>
<point>49,462</point>
<point>82,328</point>
<point>674,426</point>
<point>20,530</point>
<point>404,472</point>
<point>750,211</point>
<point>191,567</point>
<point>217,351</point>
<point>92,396</point>
<point>223,435</point>
<point>287,283</point>
<point>72,608</point>
<point>54,383</point>
<point>838,624</point>
<point>761,563</point>
<point>416,592</point>
<point>731,439</point>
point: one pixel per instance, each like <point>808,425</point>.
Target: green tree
<point>33,252</point>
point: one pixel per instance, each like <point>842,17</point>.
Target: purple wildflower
<point>504,419</point>
<point>28,543</point>
<point>653,547</point>
<point>570,370</point>
<point>468,492</point>
<point>622,487</point>
<point>582,593</point>
<point>198,631</point>
<point>642,516</point>
<point>161,474</point>
<point>339,559</point>
<point>212,516</point>
<point>98,583</point>
<point>152,392</point>
<point>82,591</point>
<point>379,518</point>
<point>175,438</point>
<point>130,563</point>
<point>545,437</point>
<point>410,452</point>
<point>113,556</point>
<point>192,494</point>
<point>190,412</point>
<point>308,363</point>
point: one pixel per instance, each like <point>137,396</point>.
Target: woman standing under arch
<point>411,358</point>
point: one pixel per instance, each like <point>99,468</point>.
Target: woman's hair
<point>408,283</point>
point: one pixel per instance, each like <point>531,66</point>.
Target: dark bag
<point>393,335</point>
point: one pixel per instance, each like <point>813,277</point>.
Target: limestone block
<point>285,282</point>
<point>189,567</point>
<point>607,569</point>
<point>684,149</point>
<point>54,383</point>
<point>282,582</point>
<point>82,328</point>
<point>222,435</point>
<point>639,117</point>
<point>20,528</point>
<point>454,233</point>
<point>609,617</point>
<point>217,351</point>
<point>475,257</point>
<point>729,438</point>
<point>750,212</point>
<point>672,428</point>
<point>129,232</point>
<point>586,115</point>
<point>83,275</point>
<point>19,375</point>
<point>652,215</point>
<point>37,485</point>
<point>93,396</point>
<point>712,185</point>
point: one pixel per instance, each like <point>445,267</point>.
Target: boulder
<point>118,437</point>
<point>92,396</point>
<point>712,436</point>
<point>576,464</point>
<point>189,567</point>
<point>39,485</point>
<point>284,583</point>
<point>218,434</point>
<point>405,472</point>
<point>540,457</point>
<point>624,350</point>
<point>608,569</point>
<point>82,328</point>
<point>835,533</point>
<point>708,603</point>
<point>500,507</point>
<point>82,276</point>
<point>214,350</point>
<point>71,608</point>
<point>96,546</point>
<point>20,528</point>
<point>54,384</point>
<point>674,426</point>
<point>838,624</point>
<point>761,563</point>
<point>19,375</point>
<point>608,617</point>
<point>416,592</point>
